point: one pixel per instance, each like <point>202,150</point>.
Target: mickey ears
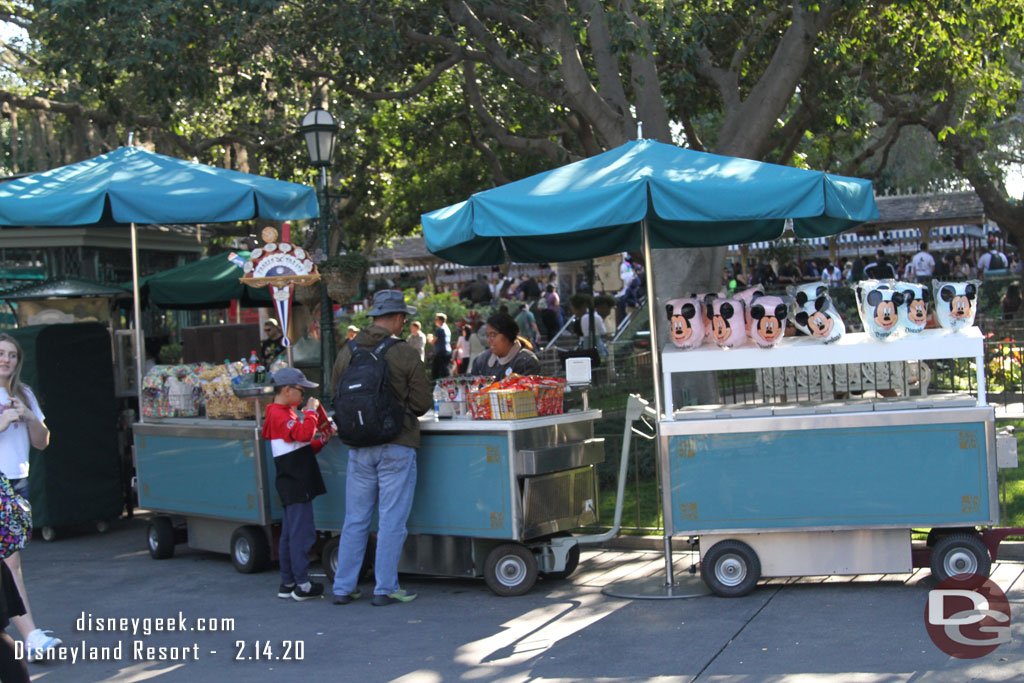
<point>970,291</point>
<point>801,298</point>
<point>781,310</point>
<point>947,293</point>
<point>688,311</point>
<point>874,297</point>
<point>757,311</point>
<point>726,310</point>
<point>820,303</point>
<point>801,318</point>
<point>897,298</point>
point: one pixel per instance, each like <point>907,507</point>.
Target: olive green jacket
<point>408,378</point>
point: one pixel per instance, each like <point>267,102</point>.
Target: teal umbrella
<point>211,282</point>
<point>133,185</point>
<point>596,207</point>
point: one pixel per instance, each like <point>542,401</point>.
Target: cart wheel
<point>49,533</point>
<point>510,569</point>
<point>160,538</point>
<point>572,560</point>
<point>329,557</point>
<point>103,526</point>
<point>250,552</point>
<point>730,569</point>
<point>960,554</point>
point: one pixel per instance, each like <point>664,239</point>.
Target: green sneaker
<point>397,596</point>
<point>346,599</point>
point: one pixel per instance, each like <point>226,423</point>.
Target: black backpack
<point>997,262</point>
<point>366,410</point>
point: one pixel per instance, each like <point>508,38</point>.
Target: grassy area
<point>641,507</point>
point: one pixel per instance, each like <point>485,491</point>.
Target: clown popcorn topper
<point>956,303</point>
<point>685,322</point>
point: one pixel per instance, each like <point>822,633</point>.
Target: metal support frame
<point>326,307</point>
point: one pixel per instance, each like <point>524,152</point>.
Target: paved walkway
<point>864,628</point>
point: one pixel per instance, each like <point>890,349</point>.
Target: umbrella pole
<point>654,588</point>
<point>139,346</point>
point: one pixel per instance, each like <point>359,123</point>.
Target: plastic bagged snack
<point>956,303</point>
<point>814,313</point>
<point>878,303</point>
<point>727,324</point>
<point>768,316</point>
<point>913,312</point>
<point>685,322</point>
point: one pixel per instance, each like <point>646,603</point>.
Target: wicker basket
<point>308,295</point>
<point>341,287</point>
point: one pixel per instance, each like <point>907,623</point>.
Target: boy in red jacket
<point>294,442</point>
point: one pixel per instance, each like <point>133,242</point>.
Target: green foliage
<point>170,354</point>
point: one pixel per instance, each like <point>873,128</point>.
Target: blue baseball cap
<point>289,376</point>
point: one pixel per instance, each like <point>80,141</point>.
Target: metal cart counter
<point>490,494</point>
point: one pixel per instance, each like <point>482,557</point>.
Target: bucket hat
<point>388,301</point>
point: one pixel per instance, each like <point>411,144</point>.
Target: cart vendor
<point>508,353</point>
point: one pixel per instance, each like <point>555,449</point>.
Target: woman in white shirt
<point>22,424</point>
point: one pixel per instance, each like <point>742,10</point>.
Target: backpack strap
<point>383,347</point>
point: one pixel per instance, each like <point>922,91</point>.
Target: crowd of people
<point>918,267</point>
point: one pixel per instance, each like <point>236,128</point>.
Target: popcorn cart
<point>495,498</point>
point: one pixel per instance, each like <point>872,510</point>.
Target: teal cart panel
<point>909,475</point>
<point>212,477</point>
<point>462,486</point>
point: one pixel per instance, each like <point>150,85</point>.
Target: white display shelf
<point>851,349</point>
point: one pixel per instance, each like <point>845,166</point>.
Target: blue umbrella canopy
<point>595,207</point>
<point>134,185</point>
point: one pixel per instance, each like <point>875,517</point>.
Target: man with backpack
<point>380,389</point>
<point>993,259</point>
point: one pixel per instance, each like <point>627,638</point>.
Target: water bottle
<point>232,369</point>
<point>438,397</point>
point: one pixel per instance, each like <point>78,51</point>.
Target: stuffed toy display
<point>768,315</point>
<point>727,324</point>
<point>685,322</point>
<point>913,312</point>
<point>878,304</point>
<point>814,314</point>
<point>956,303</point>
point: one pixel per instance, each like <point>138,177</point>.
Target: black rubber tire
<point>572,560</point>
<point>961,553</point>
<point>510,570</point>
<point>730,569</point>
<point>329,557</point>
<point>160,538</point>
<point>249,549</point>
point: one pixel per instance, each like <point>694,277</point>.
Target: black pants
<point>439,365</point>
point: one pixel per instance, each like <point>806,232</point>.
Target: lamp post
<point>319,128</point>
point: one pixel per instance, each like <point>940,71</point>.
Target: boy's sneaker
<point>392,598</point>
<point>285,591</point>
<point>315,591</point>
<point>38,643</point>
<point>345,599</point>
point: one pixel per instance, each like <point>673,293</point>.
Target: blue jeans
<point>382,477</point>
<point>297,535</point>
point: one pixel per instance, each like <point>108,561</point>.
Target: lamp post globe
<point>319,129</point>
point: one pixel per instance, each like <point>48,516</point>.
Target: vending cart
<point>211,483</point>
<point>494,498</point>
<point>833,486</point>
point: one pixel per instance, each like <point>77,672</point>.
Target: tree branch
<point>413,91</point>
<point>502,135</point>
